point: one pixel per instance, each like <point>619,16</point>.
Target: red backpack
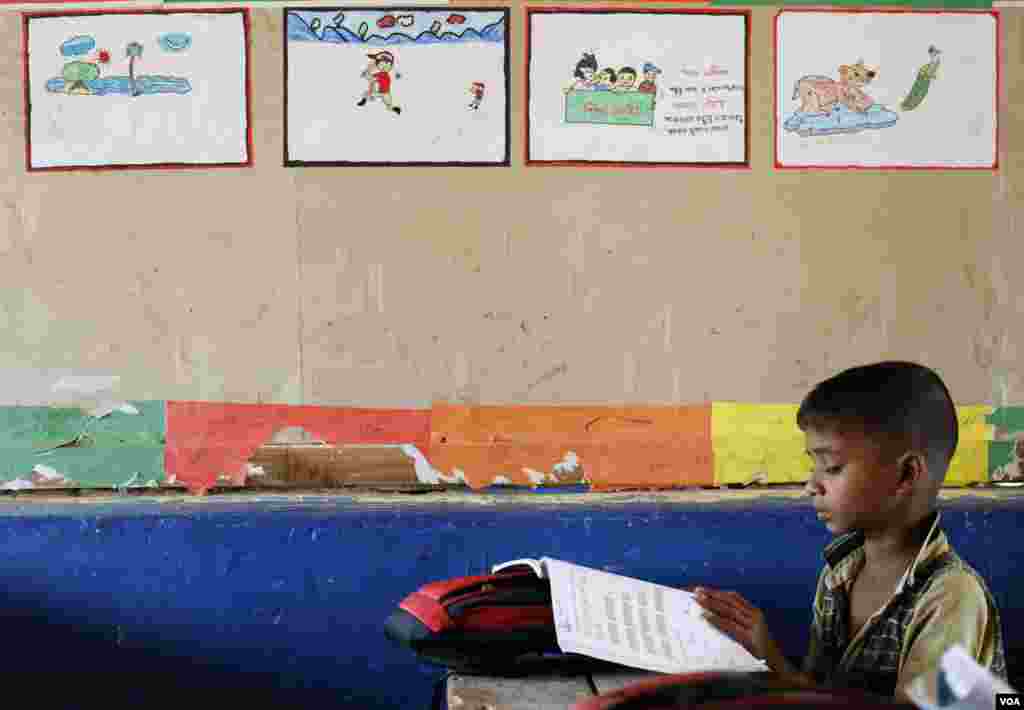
<point>484,624</point>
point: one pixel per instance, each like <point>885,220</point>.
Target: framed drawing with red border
<point>886,89</point>
<point>637,87</point>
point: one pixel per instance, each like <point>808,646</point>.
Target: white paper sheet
<point>637,623</point>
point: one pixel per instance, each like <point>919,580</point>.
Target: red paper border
<point>775,89</point>
<point>153,166</point>
<point>550,10</point>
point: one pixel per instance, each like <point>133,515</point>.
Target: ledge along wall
<point>284,597</point>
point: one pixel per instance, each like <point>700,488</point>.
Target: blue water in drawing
<point>840,120</point>
<point>122,85</point>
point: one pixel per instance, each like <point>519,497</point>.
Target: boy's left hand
<point>738,619</point>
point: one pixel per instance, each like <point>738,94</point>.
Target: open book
<point>634,623</point>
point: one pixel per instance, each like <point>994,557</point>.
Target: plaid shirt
<point>939,602</point>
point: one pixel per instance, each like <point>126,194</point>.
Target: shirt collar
<point>845,555</point>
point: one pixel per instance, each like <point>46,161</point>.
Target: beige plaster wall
<point>396,286</point>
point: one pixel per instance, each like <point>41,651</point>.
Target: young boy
<point>380,80</point>
<point>893,595</point>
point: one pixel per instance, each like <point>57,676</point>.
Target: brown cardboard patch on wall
<point>317,464</point>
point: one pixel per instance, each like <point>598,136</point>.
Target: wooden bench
<point>534,692</point>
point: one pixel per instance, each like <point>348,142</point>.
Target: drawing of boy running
<point>378,74</point>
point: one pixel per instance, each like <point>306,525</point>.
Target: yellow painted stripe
<point>970,462</point>
<point>763,440</point>
<point>757,439</point>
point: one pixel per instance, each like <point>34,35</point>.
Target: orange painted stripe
<point>209,439</point>
<point>617,447</point>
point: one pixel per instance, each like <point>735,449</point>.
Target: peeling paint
<point>568,465</point>
<point>41,477</point>
<point>536,477</point>
<point>425,472</point>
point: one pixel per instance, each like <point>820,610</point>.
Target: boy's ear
<point>913,469</point>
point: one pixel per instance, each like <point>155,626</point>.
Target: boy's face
<point>649,75</point>
<point>626,80</point>
<point>853,480</point>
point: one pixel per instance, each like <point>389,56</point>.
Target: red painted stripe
<point>209,439</point>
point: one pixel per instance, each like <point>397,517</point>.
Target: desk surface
<point>475,692</point>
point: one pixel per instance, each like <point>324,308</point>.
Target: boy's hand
<point>738,619</point>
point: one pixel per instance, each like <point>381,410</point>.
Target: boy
<point>477,90</point>
<point>893,595</point>
<point>649,85</point>
<point>380,80</point>
<point>626,79</point>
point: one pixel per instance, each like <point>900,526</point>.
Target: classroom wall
<point>396,287</point>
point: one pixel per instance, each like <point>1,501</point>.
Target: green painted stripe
<point>1008,422</point>
<point>109,451</point>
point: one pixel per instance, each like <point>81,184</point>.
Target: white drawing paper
<point>143,88</point>
<point>638,87</point>
<point>390,86</point>
<point>886,89</point>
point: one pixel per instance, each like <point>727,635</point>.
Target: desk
<point>534,692</point>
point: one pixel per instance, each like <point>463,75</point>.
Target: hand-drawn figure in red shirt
<point>379,77</point>
<point>477,89</point>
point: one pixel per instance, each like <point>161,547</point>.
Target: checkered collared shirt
<point>939,602</point>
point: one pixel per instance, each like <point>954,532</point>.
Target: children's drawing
<point>387,86</point>
<point>829,106</point>
<point>610,96</point>
<point>637,87</point>
<point>81,76</point>
<point>378,73</point>
<point>477,90</point>
<point>862,116</point>
<point>137,88</point>
<point>925,76</point>
<point>840,105</point>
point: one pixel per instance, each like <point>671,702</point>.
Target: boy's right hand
<point>738,619</point>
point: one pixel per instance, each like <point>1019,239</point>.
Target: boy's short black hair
<point>903,403</point>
